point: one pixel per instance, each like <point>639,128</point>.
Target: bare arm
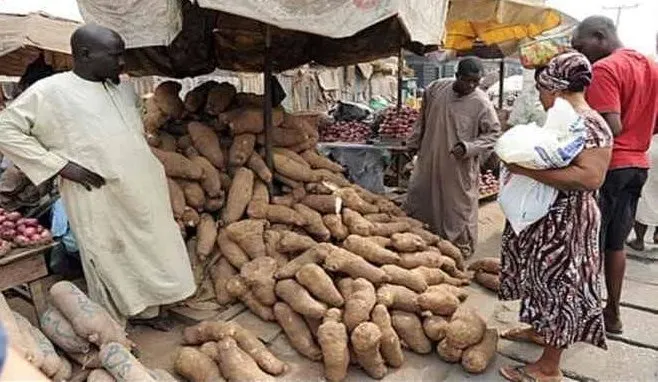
<point>614,121</point>
<point>585,173</point>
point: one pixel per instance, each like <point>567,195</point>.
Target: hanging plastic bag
<point>524,200</point>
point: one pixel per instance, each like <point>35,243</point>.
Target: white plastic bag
<point>524,200</point>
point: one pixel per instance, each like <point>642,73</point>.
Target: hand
<point>81,175</point>
<point>513,168</point>
<point>459,150</point>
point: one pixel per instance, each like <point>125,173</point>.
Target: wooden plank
<point>22,253</point>
<point>39,292</point>
<point>23,271</point>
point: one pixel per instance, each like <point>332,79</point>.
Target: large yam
<point>324,204</point>
<point>221,272</point>
<point>292,169</point>
<point>241,149</point>
<point>206,141</point>
<point>341,260</point>
<point>334,224</point>
<point>166,98</point>
<point>59,330</point>
<point>258,165</point>
<point>299,299</point>
<point>314,224</point>
<point>333,339</point>
<point>398,297</point>
<point>488,265</point>
<point>293,243</point>
<point>196,366</point>
<point>195,197</point>
<point>370,251</point>
<point>206,236</point>
<point>176,198</point>
<point>236,365</point>
<point>465,329</point>
<point>410,329</point>
<point>318,282</point>
<point>356,224</point>
<point>177,166</point>
<point>313,255</point>
<point>476,358</point>
<point>297,331</point>
<point>236,287</point>
<point>359,303</point>
<point>406,278</point>
<point>318,161</point>
<point>219,98</point>
<point>123,366</point>
<point>353,201</point>
<point>366,342</point>
<point>231,250</point>
<point>239,195</point>
<point>248,234</point>
<point>211,182</point>
<point>391,349</point>
<point>259,276</point>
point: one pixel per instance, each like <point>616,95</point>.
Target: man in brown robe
<point>458,124</point>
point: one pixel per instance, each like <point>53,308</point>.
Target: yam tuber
<point>407,278</point>
<point>435,327</point>
<point>448,353</point>
<point>341,260</point>
<point>292,155</point>
<point>100,375</point>
<point>195,366</point>
<point>251,345</point>
<point>318,189</point>
<point>292,242</point>
<point>176,198</point>
<point>236,365</point>
<point>381,241</point>
<point>206,236</point>
<point>258,165</point>
<point>248,234</point>
<point>258,274</point>
<point>448,249</point>
<point>195,197</point>
<point>65,372</point>
<point>241,149</point>
<point>356,224</point>
<point>388,229</point>
<point>378,218</point>
<point>219,98</point>
<point>59,330</point>
<point>428,259</point>
<point>239,195</point>
<point>366,341</point>
<point>166,98</point>
<point>33,352</point>
<point>272,239</point>
<point>260,199</point>
<point>488,265</point>
<point>190,217</point>
<point>299,299</point>
<point>314,224</point>
<point>391,349</point>
<point>248,120</point>
<point>438,302</point>
<point>319,284</point>
<point>398,297</point>
<point>324,204</point>
<point>334,224</point>
<point>319,161</point>
<point>220,273</point>
<point>408,242</point>
<point>314,255</point>
<point>196,98</point>
<point>428,237</point>
<point>370,251</point>
<point>237,288</point>
<point>409,328</point>
<point>359,303</point>
<point>88,319</point>
<point>52,362</point>
<point>331,177</point>
<point>460,293</point>
<point>476,358</point>
<point>206,141</point>
<point>230,250</point>
<point>292,169</point>
<point>353,201</point>
<point>466,328</point>
<point>284,215</point>
<point>214,204</point>
<point>122,365</point>
<point>298,333</point>
<point>333,340</point>
<point>211,182</point>
<point>488,280</point>
<point>177,166</point>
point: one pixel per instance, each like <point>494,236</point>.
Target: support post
<point>400,79</point>
<point>501,84</point>
<point>267,77</point>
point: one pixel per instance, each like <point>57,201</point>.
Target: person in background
<point>553,266</point>
<point>624,91</point>
<point>84,126</point>
<point>458,124</point>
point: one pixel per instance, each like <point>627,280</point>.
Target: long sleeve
<point>488,133</point>
<point>20,146</point>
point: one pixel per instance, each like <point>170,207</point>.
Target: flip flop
<point>612,328</point>
<point>636,246</point>
<point>520,374</point>
<point>522,335</point>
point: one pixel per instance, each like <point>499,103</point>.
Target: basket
<point>538,53</point>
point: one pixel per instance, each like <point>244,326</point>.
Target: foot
<point>655,239</point>
<point>523,335</point>
<point>160,323</point>
<point>637,245</point>
<point>530,373</point>
<point>612,322</point>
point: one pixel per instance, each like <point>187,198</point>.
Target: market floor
<point>631,357</point>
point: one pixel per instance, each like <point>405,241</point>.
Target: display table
<point>27,266</point>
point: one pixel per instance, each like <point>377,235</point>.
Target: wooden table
<point>27,266</point>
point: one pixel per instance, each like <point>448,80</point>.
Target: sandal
<point>520,374</point>
<point>523,335</point>
<point>636,246</point>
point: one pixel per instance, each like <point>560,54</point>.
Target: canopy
<point>29,28</point>
<point>490,22</point>
<point>231,34</point>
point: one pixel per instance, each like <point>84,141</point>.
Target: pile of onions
<point>22,232</point>
<point>398,125</point>
<point>344,131</point>
<point>488,184</point>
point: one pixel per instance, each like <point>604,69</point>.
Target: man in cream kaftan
<point>132,252</point>
<point>458,123</point>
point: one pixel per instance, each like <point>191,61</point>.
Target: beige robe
<point>132,252</point>
<point>443,191</point>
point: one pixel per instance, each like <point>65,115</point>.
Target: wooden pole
<point>267,77</point>
<point>501,83</point>
<point>400,79</point>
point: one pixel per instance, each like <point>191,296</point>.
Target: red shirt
<point>626,82</point>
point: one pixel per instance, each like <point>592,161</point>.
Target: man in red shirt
<point>624,91</point>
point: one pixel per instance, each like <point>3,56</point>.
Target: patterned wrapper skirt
<point>553,267</point>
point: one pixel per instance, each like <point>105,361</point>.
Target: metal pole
<point>501,83</point>
<point>267,77</point>
<point>619,9</point>
<point>400,79</point>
